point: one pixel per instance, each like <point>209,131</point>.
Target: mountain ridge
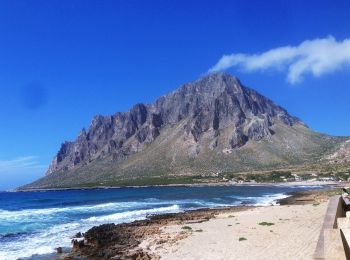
<point>214,122</point>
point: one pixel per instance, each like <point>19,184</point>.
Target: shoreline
<point>130,237</point>
<point>296,183</point>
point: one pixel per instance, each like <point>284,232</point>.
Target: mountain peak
<point>219,80</point>
<point>218,75</point>
<point>215,113</point>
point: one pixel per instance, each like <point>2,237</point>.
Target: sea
<point>33,224</point>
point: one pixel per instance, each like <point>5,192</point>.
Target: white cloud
<point>27,163</point>
<point>315,57</point>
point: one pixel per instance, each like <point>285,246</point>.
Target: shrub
<point>186,228</point>
<point>266,223</point>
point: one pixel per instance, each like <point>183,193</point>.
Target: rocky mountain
<point>340,155</point>
<point>211,125</point>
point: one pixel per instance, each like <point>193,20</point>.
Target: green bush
<point>186,228</point>
<point>266,223</point>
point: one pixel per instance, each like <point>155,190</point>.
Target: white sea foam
<point>37,214</point>
<point>272,199</point>
<point>133,214</point>
<point>44,213</point>
<point>40,243</point>
<point>46,241</point>
<point>308,186</point>
<point>264,200</point>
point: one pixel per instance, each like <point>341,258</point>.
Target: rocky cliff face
<point>206,107</point>
<point>118,135</point>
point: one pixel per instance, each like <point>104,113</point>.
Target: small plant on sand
<point>199,230</point>
<point>186,228</point>
<point>316,204</point>
<point>266,223</point>
<point>242,239</point>
<point>271,230</point>
<point>231,216</point>
<point>238,223</point>
<point>229,225</point>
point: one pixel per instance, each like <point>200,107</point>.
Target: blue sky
<point>62,62</point>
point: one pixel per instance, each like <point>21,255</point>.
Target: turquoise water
<point>35,223</point>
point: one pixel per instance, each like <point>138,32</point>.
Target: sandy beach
<point>291,232</point>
